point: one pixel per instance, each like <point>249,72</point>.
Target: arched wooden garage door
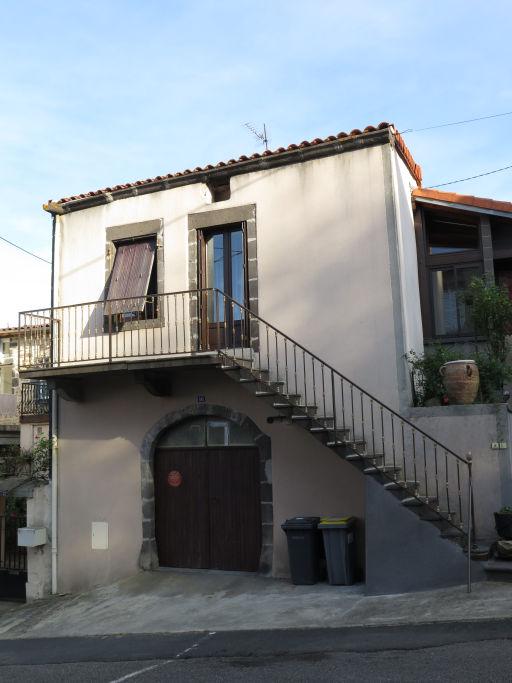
<point>207,497</point>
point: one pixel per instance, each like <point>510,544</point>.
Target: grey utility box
<point>31,537</point>
<point>340,549</point>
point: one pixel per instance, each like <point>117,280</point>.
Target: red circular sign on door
<point>174,478</point>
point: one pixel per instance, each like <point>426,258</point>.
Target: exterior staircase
<point>426,477</point>
<point>346,445</point>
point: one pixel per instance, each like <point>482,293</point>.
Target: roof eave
<point>470,208</point>
<point>369,139</point>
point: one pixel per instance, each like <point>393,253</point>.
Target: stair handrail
<point>447,516</point>
<point>337,372</point>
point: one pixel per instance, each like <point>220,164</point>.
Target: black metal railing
<point>208,320</point>
<point>12,556</point>
<point>35,398</point>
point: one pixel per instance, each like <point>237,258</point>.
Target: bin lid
<point>301,523</point>
<point>336,522</point>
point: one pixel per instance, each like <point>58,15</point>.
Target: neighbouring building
<point>24,419</point>
<point>227,350</point>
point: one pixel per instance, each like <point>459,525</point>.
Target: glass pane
<point>217,433</point>
<point>464,277</point>
<point>447,237</point>
<point>444,296</point>
<point>215,275</point>
<point>238,436</point>
<point>450,313</point>
<point>237,271</point>
<point>190,433</point>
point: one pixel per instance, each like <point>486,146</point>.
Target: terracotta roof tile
<point>400,144</point>
<point>466,199</point>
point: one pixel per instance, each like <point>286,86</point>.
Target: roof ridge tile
<point>413,167</point>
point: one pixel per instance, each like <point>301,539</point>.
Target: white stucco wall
<point>323,256</point>
<point>100,472</point>
<point>403,184</point>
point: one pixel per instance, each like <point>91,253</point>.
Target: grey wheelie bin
<point>340,549</point>
<point>304,549</point>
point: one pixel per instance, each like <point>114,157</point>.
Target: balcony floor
<point>123,365</point>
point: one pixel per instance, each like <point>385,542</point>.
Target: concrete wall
<point>100,479</point>
<point>473,429</point>
<point>39,560</point>
<point>324,229</point>
<point>424,561</point>
<point>30,433</point>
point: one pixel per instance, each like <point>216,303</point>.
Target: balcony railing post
<point>469,460</point>
<point>109,338</point>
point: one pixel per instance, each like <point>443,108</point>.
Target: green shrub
<point>426,379</point>
<point>40,459</point>
<point>493,374</point>
<point>490,310</point>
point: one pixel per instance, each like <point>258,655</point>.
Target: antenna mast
<point>260,135</point>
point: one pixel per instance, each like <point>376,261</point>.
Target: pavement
<point>184,601</point>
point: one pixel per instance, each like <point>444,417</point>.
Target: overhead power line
<point>471,177</point>
<point>17,246</point>
<point>456,123</point>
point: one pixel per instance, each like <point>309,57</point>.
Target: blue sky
<point>99,93</point>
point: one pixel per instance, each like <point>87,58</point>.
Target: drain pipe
<point>54,475</point>
<point>53,209</point>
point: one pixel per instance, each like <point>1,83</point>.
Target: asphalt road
<point>473,651</point>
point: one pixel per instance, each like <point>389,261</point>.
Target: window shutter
<point>130,275</point>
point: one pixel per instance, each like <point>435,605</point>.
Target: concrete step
<point>452,532</point>
<point>496,565</point>
<point>402,485</point>
<point>433,516</point>
<point>228,366</point>
<point>383,469</point>
<point>252,379</point>
<point>329,433</point>
<point>289,401</point>
<point>376,458</point>
<point>348,444</point>
<point>416,501</point>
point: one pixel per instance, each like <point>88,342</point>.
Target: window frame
<point>428,263</point>
<point>136,232</point>
<point>450,268</point>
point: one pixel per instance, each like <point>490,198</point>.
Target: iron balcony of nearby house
<point>34,401</point>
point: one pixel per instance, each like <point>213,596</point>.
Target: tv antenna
<point>261,135</point>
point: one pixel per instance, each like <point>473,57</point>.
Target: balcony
<point>181,328</point>
<point>34,401</point>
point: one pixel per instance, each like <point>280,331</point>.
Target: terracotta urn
<point>461,380</point>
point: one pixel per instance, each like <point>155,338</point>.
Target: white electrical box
<point>99,536</point>
<point>31,537</point>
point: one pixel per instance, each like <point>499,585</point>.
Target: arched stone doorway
<point>242,425</point>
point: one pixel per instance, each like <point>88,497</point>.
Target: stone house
<point>227,350</point>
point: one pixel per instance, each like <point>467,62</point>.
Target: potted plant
<point>461,380</point>
<point>503,522</point>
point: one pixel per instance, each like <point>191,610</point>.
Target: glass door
<point>224,268</point>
